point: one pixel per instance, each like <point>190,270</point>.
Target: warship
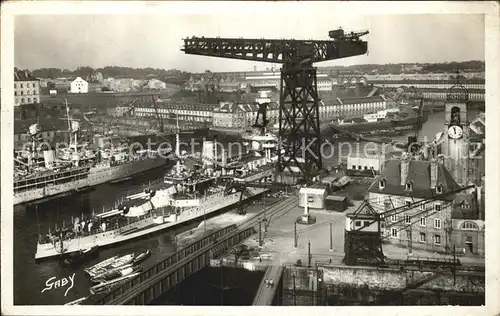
<point>196,187</point>
<point>42,173</point>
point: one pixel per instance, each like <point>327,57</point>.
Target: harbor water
<point>30,277</point>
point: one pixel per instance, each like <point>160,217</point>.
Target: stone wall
<point>392,279</point>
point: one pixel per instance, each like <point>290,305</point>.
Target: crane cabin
<point>364,219</point>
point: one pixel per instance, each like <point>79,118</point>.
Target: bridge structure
<point>156,280</point>
<point>269,294</point>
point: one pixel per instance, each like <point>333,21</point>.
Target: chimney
<point>434,173</point>
<point>405,166</point>
<point>479,202</point>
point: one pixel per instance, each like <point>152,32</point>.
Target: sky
<point>155,40</point>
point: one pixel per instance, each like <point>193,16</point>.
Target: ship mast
<point>177,145</point>
<point>69,120</point>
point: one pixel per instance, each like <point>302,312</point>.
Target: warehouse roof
<point>338,198</point>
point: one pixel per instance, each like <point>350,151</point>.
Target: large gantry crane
<point>299,126</point>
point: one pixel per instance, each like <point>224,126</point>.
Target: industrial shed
<point>336,203</point>
<point>315,196</point>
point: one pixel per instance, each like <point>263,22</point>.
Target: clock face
<point>455,132</point>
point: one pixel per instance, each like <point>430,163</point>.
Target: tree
<point>239,251</point>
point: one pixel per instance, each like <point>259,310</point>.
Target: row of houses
<point>441,94</point>
<point>427,84</point>
<point>233,83</point>
<point>80,85</point>
<point>242,115</point>
<point>423,76</point>
<point>227,82</point>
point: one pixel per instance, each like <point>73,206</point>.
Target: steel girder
<point>299,128</point>
<point>274,50</point>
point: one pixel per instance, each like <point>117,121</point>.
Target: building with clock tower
<point>455,148</point>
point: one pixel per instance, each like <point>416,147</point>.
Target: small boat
<point>99,277</point>
<point>142,256</point>
<point>106,286</point>
<point>77,302</point>
<point>117,273</point>
<point>80,256</point>
<point>118,262</point>
<point>123,260</point>
<point>99,265</point>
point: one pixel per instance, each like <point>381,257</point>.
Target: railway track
<point>277,209</point>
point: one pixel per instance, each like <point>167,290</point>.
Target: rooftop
<point>419,173</point>
<point>24,76</point>
<point>465,206</point>
<point>355,100</point>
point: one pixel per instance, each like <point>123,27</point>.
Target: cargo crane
<point>299,126</point>
<point>161,127</point>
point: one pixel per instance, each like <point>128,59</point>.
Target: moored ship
<point>43,173</point>
<point>187,193</point>
<point>390,121</point>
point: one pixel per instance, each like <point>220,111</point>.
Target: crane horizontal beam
<point>275,50</point>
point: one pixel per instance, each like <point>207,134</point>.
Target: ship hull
<point>143,227</point>
<point>94,178</point>
<point>413,122</point>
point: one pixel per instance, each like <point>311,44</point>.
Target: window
<point>422,207</point>
<point>379,200</point>
<point>437,207</point>
<point>408,203</point>
<point>15,86</point>
<point>422,237</point>
<point>469,226</point>
<point>22,100</point>
<point>437,239</point>
<point>366,168</point>
<point>15,93</point>
<point>366,223</point>
<point>21,85</point>
<point>22,92</point>
<point>394,233</point>
<point>29,100</point>
<point>407,219</point>
<point>353,167</point>
<point>423,221</point>
<point>439,189</point>
<point>465,205</point>
<point>409,186</point>
<point>381,184</point>
<point>408,234</point>
<point>437,223</point>
<point>394,218</point>
<point>358,223</point>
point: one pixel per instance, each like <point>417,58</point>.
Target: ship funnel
<point>208,152</point>
<point>34,129</point>
<point>224,157</point>
<point>48,156</point>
